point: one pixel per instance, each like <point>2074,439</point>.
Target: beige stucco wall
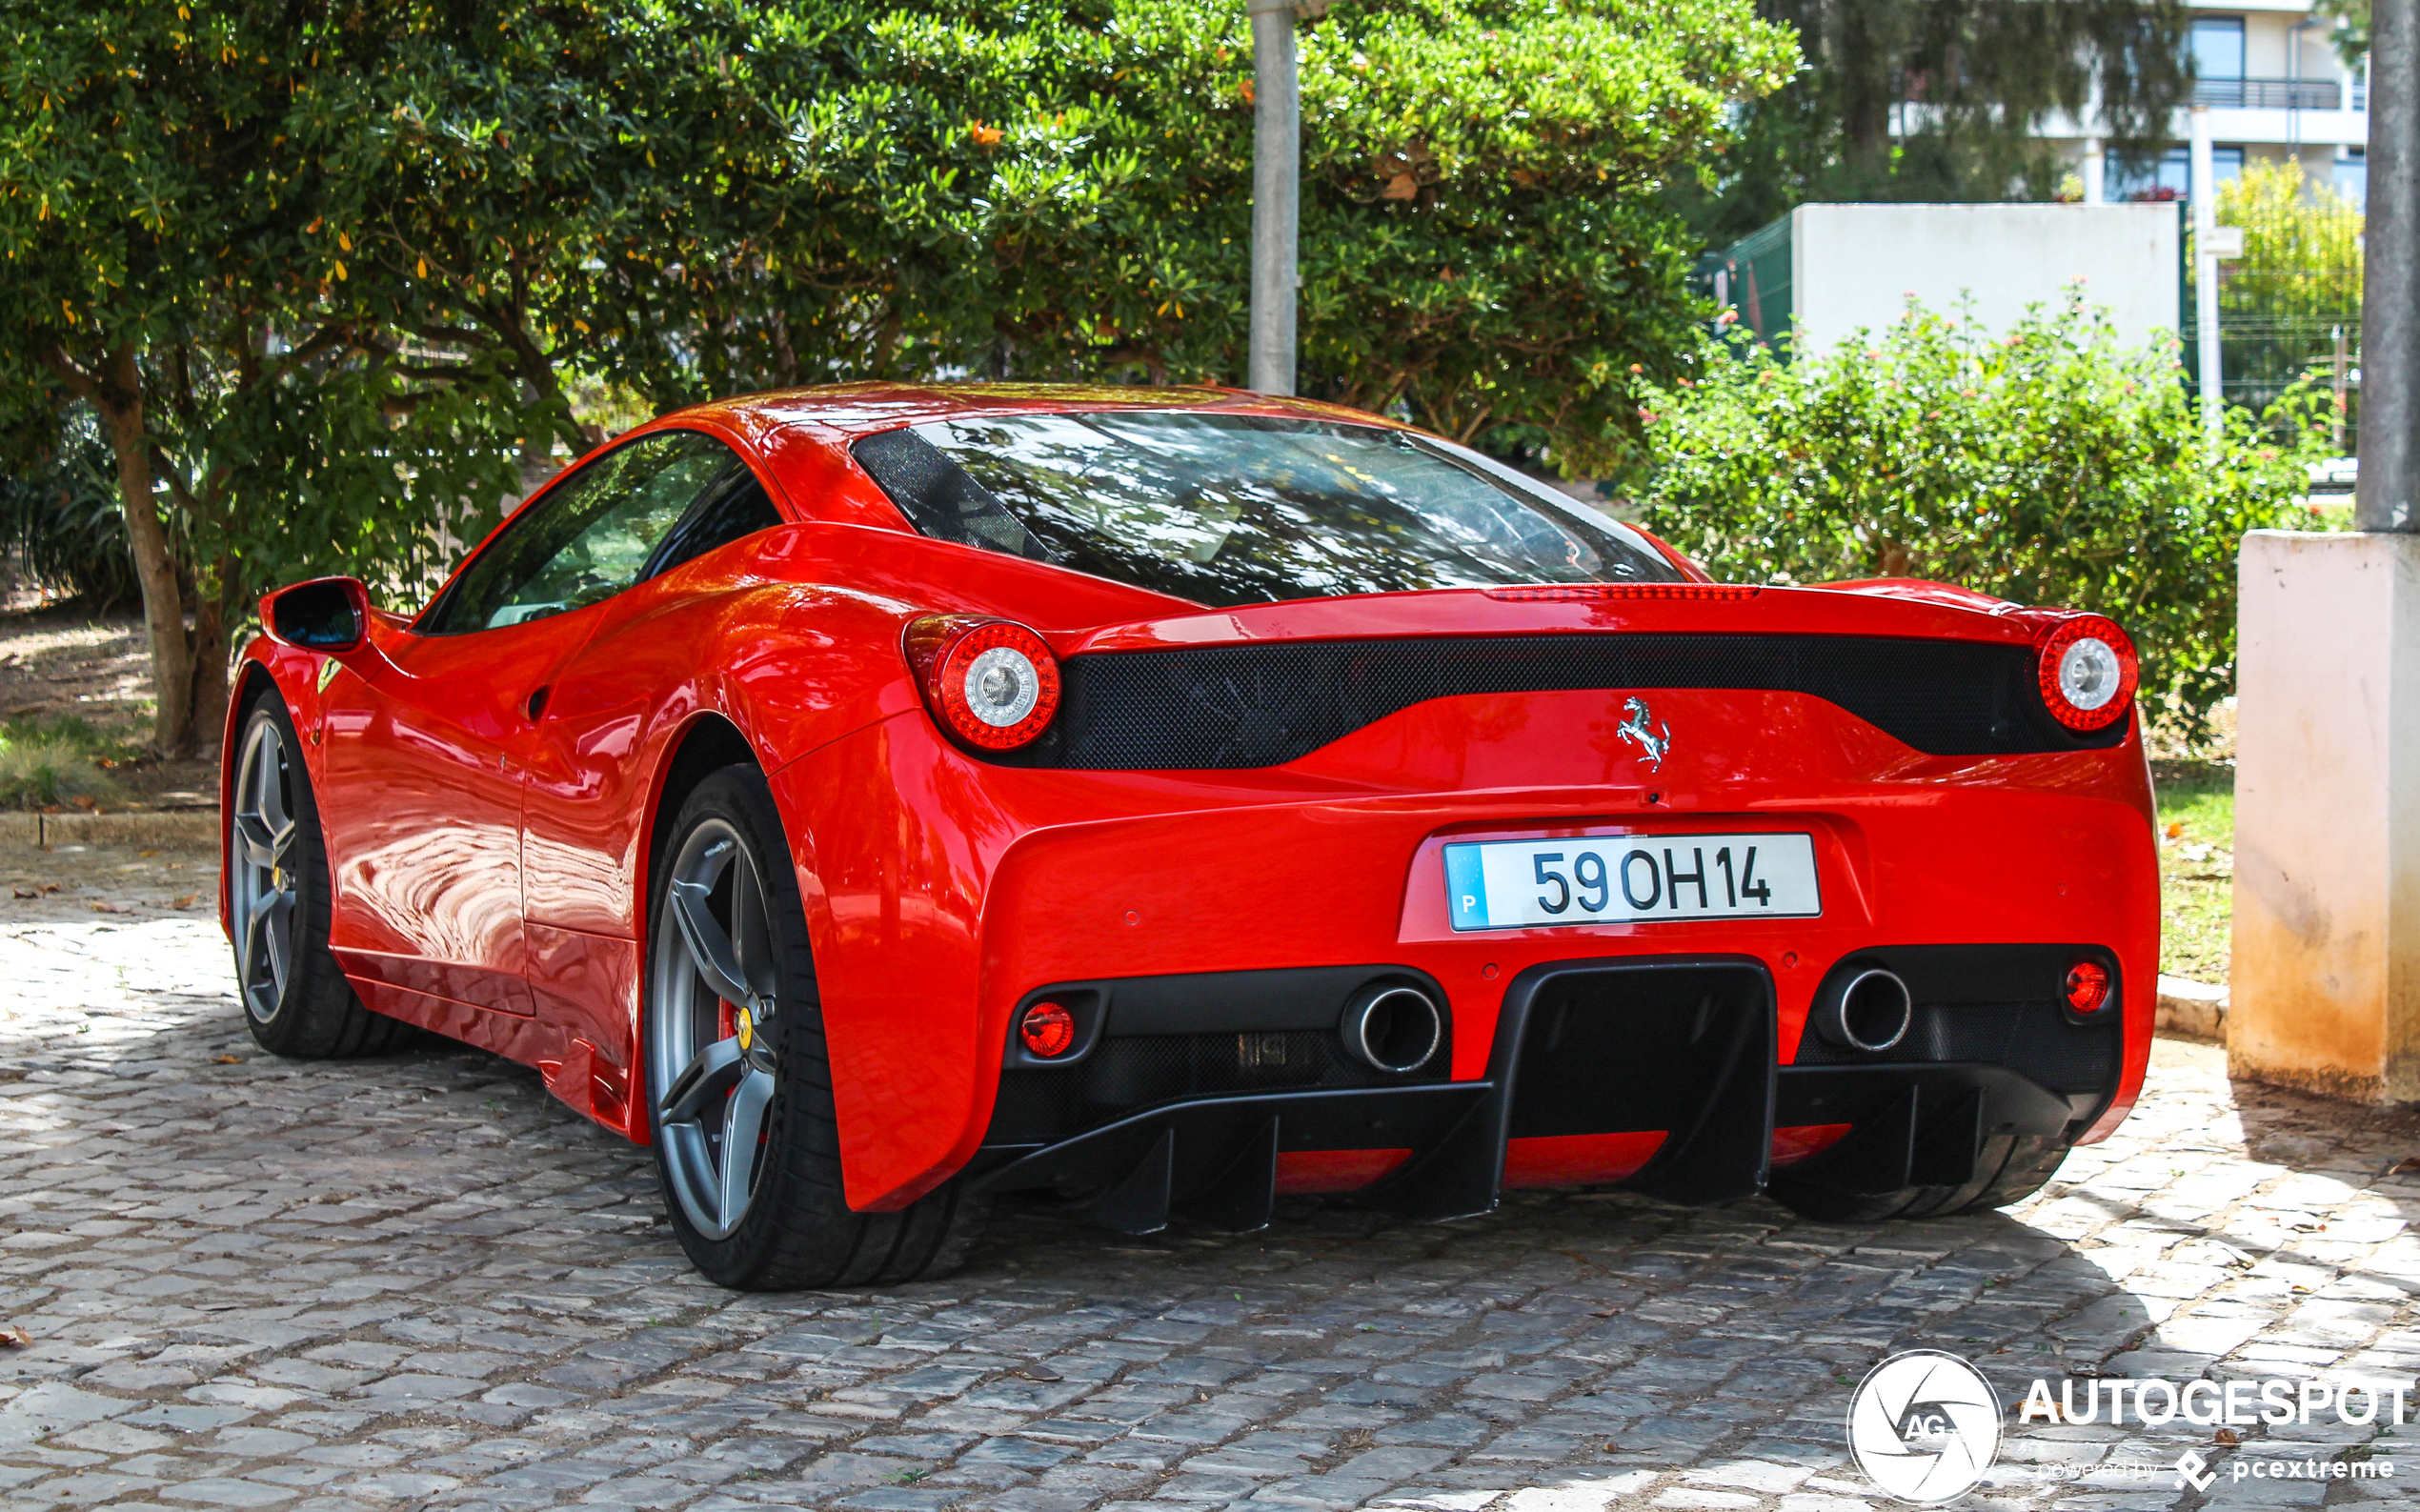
<point>2327,950</point>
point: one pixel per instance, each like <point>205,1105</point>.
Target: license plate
<point>1630,879</point>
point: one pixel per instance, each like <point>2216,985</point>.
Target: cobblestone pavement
<point>418,1281</point>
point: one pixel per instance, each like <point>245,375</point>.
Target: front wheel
<point>297,1000</point>
<point>738,1081</point>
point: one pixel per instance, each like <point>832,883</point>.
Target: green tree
<point>176,261</point>
<point>1482,245</point>
<point>2045,465</point>
<point>1942,100</point>
<point>2302,245</point>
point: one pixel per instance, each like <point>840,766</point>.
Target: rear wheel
<point>297,1000</point>
<point>2010,1168</point>
<point>739,1084</point>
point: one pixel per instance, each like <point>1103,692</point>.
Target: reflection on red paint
<point>1302,1171</point>
<point>1578,1160</point>
<point>1795,1142</point>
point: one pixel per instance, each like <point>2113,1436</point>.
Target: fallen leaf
<point>1606,1312</point>
<point>2176,830</point>
<point>1038,1373</point>
<point>24,891</point>
<point>16,1338</point>
<point>2408,1163</point>
<point>2225,1436</point>
<point>50,887</point>
<point>1612,1447</point>
<point>147,853</point>
<point>99,907</point>
<point>230,1060</point>
<point>188,900</point>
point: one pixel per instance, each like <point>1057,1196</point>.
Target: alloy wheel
<point>263,884</point>
<point>713,1047</point>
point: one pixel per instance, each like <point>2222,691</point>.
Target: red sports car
<point>881,800</point>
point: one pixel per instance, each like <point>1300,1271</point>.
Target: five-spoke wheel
<point>739,1080</point>
<point>260,873</point>
<point>297,1000</point>
<point>716,1074</point>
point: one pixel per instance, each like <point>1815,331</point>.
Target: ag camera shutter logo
<point>1924,1426</point>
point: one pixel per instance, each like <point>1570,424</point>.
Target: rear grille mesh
<point>1226,707</point>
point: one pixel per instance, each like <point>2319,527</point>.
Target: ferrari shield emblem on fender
<point>1653,739</point>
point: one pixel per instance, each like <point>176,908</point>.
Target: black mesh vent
<point>1263,705</point>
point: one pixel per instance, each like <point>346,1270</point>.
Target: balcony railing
<point>2274,94</point>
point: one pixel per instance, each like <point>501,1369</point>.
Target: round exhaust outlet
<point>1389,1026</point>
<point>1871,1014</point>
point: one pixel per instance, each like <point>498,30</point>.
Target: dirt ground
<point>61,659</point>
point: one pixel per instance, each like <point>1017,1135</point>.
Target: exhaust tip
<point>1391,1027</point>
<point>1871,1013</point>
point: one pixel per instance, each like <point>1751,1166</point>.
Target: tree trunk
<point>214,610</point>
<point>172,669</point>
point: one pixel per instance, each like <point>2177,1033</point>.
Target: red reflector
<point>1047,1029</point>
<point>2088,986</point>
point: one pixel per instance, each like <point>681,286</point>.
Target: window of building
<point>2350,176</point>
<point>2218,48</point>
<point>2171,177</point>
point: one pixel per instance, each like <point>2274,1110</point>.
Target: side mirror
<point>325,614</point>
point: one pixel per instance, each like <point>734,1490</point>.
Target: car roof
<point>841,412</point>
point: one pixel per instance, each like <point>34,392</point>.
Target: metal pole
<point>2204,192</point>
<point>2390,428</point>
<point>1277,165</point>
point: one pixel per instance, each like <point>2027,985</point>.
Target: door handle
<point>537,703</point>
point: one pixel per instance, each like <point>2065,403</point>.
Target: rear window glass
<point>1226,509</point>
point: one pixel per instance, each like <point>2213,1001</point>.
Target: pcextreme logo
<point>1924,1426</point>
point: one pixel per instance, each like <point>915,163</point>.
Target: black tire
<point>2010,1168</point>
<point>300,1006</point>
<point>798,1230</point>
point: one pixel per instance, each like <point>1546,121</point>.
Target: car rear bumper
<point>1660,1074</point>
<point>942,896</point>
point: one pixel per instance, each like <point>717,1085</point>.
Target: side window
<point>732,506</point>
<point>608,526</point>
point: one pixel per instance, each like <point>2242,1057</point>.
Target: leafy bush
<point>2046,465</point>
<point>59,514</point>
<point>46,763</point>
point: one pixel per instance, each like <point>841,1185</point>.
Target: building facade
<point>2275,89</point>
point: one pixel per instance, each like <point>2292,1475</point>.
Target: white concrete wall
<point>1855,265</point>
<point>2326,977</point>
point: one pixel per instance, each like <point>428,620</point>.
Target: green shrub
<point>46,763</point>
<point>2046,464</point>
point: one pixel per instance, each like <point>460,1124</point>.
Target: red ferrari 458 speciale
<point>881,800</point>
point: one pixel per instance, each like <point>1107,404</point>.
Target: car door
<point>427,754</point>
<point>582,814</point>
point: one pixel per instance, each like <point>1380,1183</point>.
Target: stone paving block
<point>490,1314</point>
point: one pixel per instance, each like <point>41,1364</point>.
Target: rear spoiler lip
<point>1898,608</point>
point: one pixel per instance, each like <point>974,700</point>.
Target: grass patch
<point>2197,866</point>
<point>54,762</point>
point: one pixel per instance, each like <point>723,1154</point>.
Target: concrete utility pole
<point>1277,187</point>
<point>2389,434</point>
<point>2326,975</point>
<point>2204,192</point>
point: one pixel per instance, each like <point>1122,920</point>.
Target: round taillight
<point>1047,1029</point>
<point>2088,986</point>
<point>2088,671</point>
<point>992,683</point>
